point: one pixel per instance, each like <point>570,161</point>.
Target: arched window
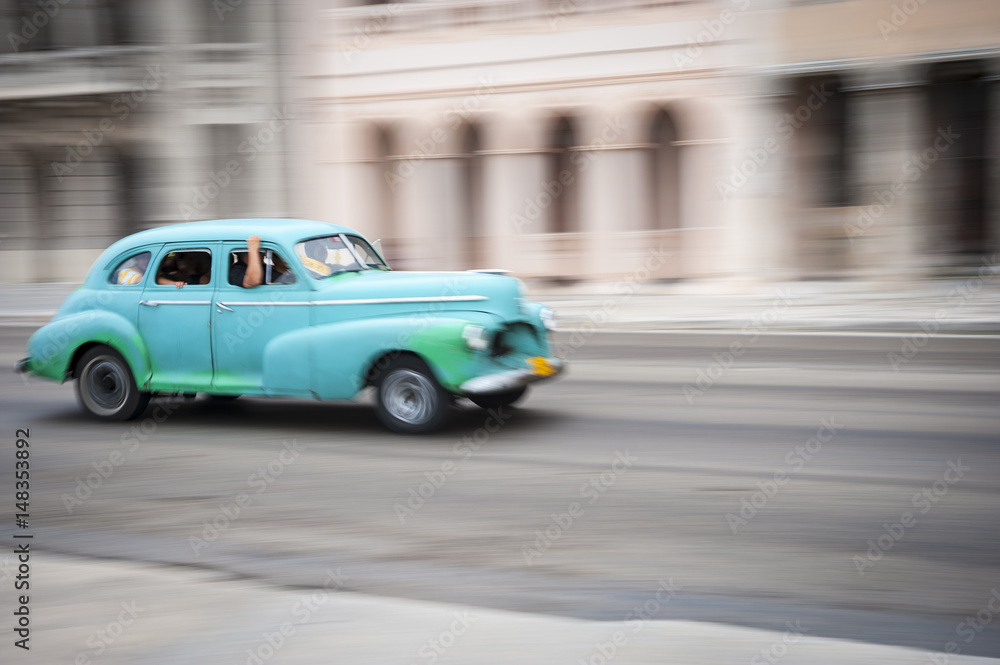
<point>563,176</point>
<point>665,173</point>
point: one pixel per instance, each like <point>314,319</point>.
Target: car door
<point>174,322</point>
<point>246,320</point>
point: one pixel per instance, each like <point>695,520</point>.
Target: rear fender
<point>53,347</point>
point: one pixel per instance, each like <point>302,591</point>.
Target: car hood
<point>411,291</point>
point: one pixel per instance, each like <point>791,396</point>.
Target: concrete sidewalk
<point>966,305</point>
<point>89,611</point>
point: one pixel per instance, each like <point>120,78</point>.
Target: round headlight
<point>548,318</point>
<point>476,337</point>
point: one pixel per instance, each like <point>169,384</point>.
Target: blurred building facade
<point>561,139</point>
<point>119,115</point>
<point>745,139</point>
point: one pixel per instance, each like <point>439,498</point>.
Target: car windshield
<point>330,255</point>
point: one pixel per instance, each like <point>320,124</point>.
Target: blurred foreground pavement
<point>960,305</point>
<point>179,614</point>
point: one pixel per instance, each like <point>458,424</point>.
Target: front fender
<point>52,347</point>
<point>336,357</point>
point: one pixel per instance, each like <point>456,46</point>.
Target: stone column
<point>614,193</point>
<point>511,216</point>
<point>514,173</point>
<point>707,223</point>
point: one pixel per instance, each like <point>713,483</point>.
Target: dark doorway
<point>960,109</point>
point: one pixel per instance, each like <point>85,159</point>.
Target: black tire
<point>498,400</point>
<point>105,386</point>
<point>408,399</point>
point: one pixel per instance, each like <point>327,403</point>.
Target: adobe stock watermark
<point>416,323</point>
<point>418,496</point>
<point>913,170</point>
<point>558,15</point>
<point>624,288</point>
<point>796,459</point>
<point>913,343</point>
<point>254,144</point>
<point>302,611</point>
<point>260,480</point>
<point>894,532</point>
<point>968,628</point>
<point>784,130</point>
<point>592,489</point>
<point>60,340</point>
<point>224,7</point>
<point>431,650</point>
<point>712,32</point>
<point>636,620</point>
<point>427,147</point>
<point>31,25</point>
<point>774,652</point>
<point>375,24</point>
<point>249,324</point>
<point>130,441</point>
<point>899,17</point>
<point>723,361</point>
<point>7,568</point>
<point>121,108</point>
<point>99,641</point>
<point>549,191</point>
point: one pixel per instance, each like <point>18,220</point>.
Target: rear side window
<point>130,271</point>
<point>192,266</point>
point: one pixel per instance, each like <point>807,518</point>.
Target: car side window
<point>130,271</point>
<point>180,268</point>
<point>276,270</point>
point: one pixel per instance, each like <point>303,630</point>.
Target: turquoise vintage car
<point>171,311</point>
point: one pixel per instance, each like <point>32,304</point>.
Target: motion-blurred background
<point>562,139</point>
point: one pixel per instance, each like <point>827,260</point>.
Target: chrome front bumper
<point>509,380</point>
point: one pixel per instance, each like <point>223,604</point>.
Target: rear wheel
<point>408,399</point>
<point>497,400</point>
<point>105,385</point>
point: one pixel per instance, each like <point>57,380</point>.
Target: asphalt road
<point>806,480</point>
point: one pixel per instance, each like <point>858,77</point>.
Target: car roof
<point>285,231</point>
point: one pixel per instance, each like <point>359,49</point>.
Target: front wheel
<point>105,385</point>
<point>498,400</point>
<point>409,400</point>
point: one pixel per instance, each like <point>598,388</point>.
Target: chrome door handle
<point>222,307</point>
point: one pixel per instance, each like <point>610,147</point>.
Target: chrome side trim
<point>381,301</point>
<point>358,301</point>
<point>157,303</point>
<point>262,303</point>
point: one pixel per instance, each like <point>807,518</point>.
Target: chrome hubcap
<point>409,396</point>
<point>107,386</point>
